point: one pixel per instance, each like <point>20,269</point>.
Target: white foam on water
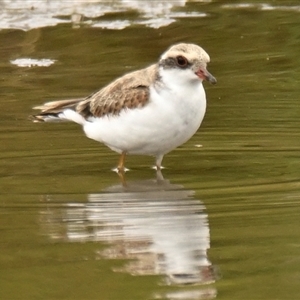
<point>262,6</point>
<point>31,62</point>
<point>29,14</point>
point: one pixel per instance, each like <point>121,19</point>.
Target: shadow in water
<point>158,226</point>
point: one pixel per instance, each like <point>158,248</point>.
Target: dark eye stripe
<point>172,62</point>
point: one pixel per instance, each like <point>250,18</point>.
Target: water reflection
<point>158,225</point>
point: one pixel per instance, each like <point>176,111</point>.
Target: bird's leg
<point>122,178</point>
<point>158,161</point>
<point>159,177</point>
<point>121,167</point>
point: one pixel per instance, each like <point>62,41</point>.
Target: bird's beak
<point>205,75</point>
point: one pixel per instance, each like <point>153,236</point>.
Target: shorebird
<point>147,112</point>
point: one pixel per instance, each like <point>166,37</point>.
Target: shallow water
<point>222,220</point>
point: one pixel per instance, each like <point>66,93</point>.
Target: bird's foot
<point>157,168</point>
<point>121,173</point>
<point>120,170</point>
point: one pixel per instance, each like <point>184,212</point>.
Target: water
<point>222,220</point>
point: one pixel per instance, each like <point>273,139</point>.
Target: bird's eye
<point>181,61</point>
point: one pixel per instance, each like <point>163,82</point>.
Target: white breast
<point>172,116</point>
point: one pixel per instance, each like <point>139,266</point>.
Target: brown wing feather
<point>57,106</point>
<point>127,92</point>
<point>53,108</point>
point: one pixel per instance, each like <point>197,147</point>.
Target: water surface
<point>222,220</point>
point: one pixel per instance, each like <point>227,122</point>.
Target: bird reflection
<point>159,226</point>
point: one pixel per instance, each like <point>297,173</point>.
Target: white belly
<point>167,121</point>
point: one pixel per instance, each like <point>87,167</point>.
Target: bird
<point>150,111</point>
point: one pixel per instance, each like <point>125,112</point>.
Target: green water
<point>69,230</point>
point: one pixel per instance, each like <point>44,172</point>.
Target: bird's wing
<point>58,106</point>
<point>127,92</point>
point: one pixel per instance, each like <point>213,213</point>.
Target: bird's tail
<point>57,111</point>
